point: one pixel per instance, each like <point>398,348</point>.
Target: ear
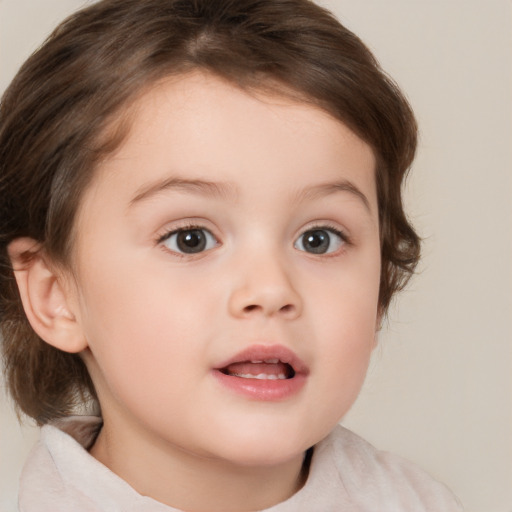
<point>46,297</point>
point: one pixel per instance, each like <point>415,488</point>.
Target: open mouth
<point>263,373</point>
<point>266,369</point>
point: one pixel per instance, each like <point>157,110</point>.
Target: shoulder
<point>43,486</point>
<point>376,478</point>
<point>61,476</point>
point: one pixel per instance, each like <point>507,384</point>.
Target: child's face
<point>229,228</point>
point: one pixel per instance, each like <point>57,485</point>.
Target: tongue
<point>257,368</point>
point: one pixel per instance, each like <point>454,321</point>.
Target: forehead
<point>202,112</point>
<point>200,127</point>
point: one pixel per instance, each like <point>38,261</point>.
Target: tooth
<point>260,376</point>
<point>256,362</point>
<point>272,361</point>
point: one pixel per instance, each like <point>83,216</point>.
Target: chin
<point>267,448</point>
<point>264,458</point>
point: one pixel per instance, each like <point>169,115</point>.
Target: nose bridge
<point>264,285</point>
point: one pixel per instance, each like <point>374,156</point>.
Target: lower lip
<point>262,389</point>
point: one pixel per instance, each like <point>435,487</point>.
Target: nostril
<point>287,308</point>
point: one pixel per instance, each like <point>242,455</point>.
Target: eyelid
<point>181,227</point>
<point>329,227</point>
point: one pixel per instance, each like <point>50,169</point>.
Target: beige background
<point>440,388</point>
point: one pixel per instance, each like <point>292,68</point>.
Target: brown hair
<point>54,115</point>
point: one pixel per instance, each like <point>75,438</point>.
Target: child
<point>201,230</point>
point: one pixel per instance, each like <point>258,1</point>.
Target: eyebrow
<point>325,189</point>
<point>225,189</point>
<point>197,186</point>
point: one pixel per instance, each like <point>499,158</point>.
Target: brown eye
<point>320,241</point>
<point>190,241</point>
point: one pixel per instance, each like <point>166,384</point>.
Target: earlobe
<point>45,299</point>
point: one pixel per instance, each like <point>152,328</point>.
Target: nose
<point>264,288</point>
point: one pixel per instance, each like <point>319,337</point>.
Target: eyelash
<point>343,236</point>
<point>182,229</point>
<point>328,227</point>
<point>346,240</point>
<point>187,227</point>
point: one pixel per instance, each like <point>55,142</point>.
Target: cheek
<point>346,319</point>
<point>346,299</point>
<point>348,327</point>
<point>139,325</point>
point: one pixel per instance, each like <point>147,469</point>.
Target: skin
<point>152,323</point>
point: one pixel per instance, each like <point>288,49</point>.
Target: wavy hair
<point>55,114</point>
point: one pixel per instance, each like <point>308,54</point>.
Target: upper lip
<point>266,353</point>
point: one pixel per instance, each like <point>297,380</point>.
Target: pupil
<point>191,241</point>
<point>316,241</point>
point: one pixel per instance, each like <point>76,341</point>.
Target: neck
<point>174,477</point>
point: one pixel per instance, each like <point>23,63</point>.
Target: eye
<point>320,241</point>
<point>189,240</point>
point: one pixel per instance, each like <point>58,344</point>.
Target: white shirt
<point>347,474</point>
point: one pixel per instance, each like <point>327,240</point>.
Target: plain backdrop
<point>439,390</point>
